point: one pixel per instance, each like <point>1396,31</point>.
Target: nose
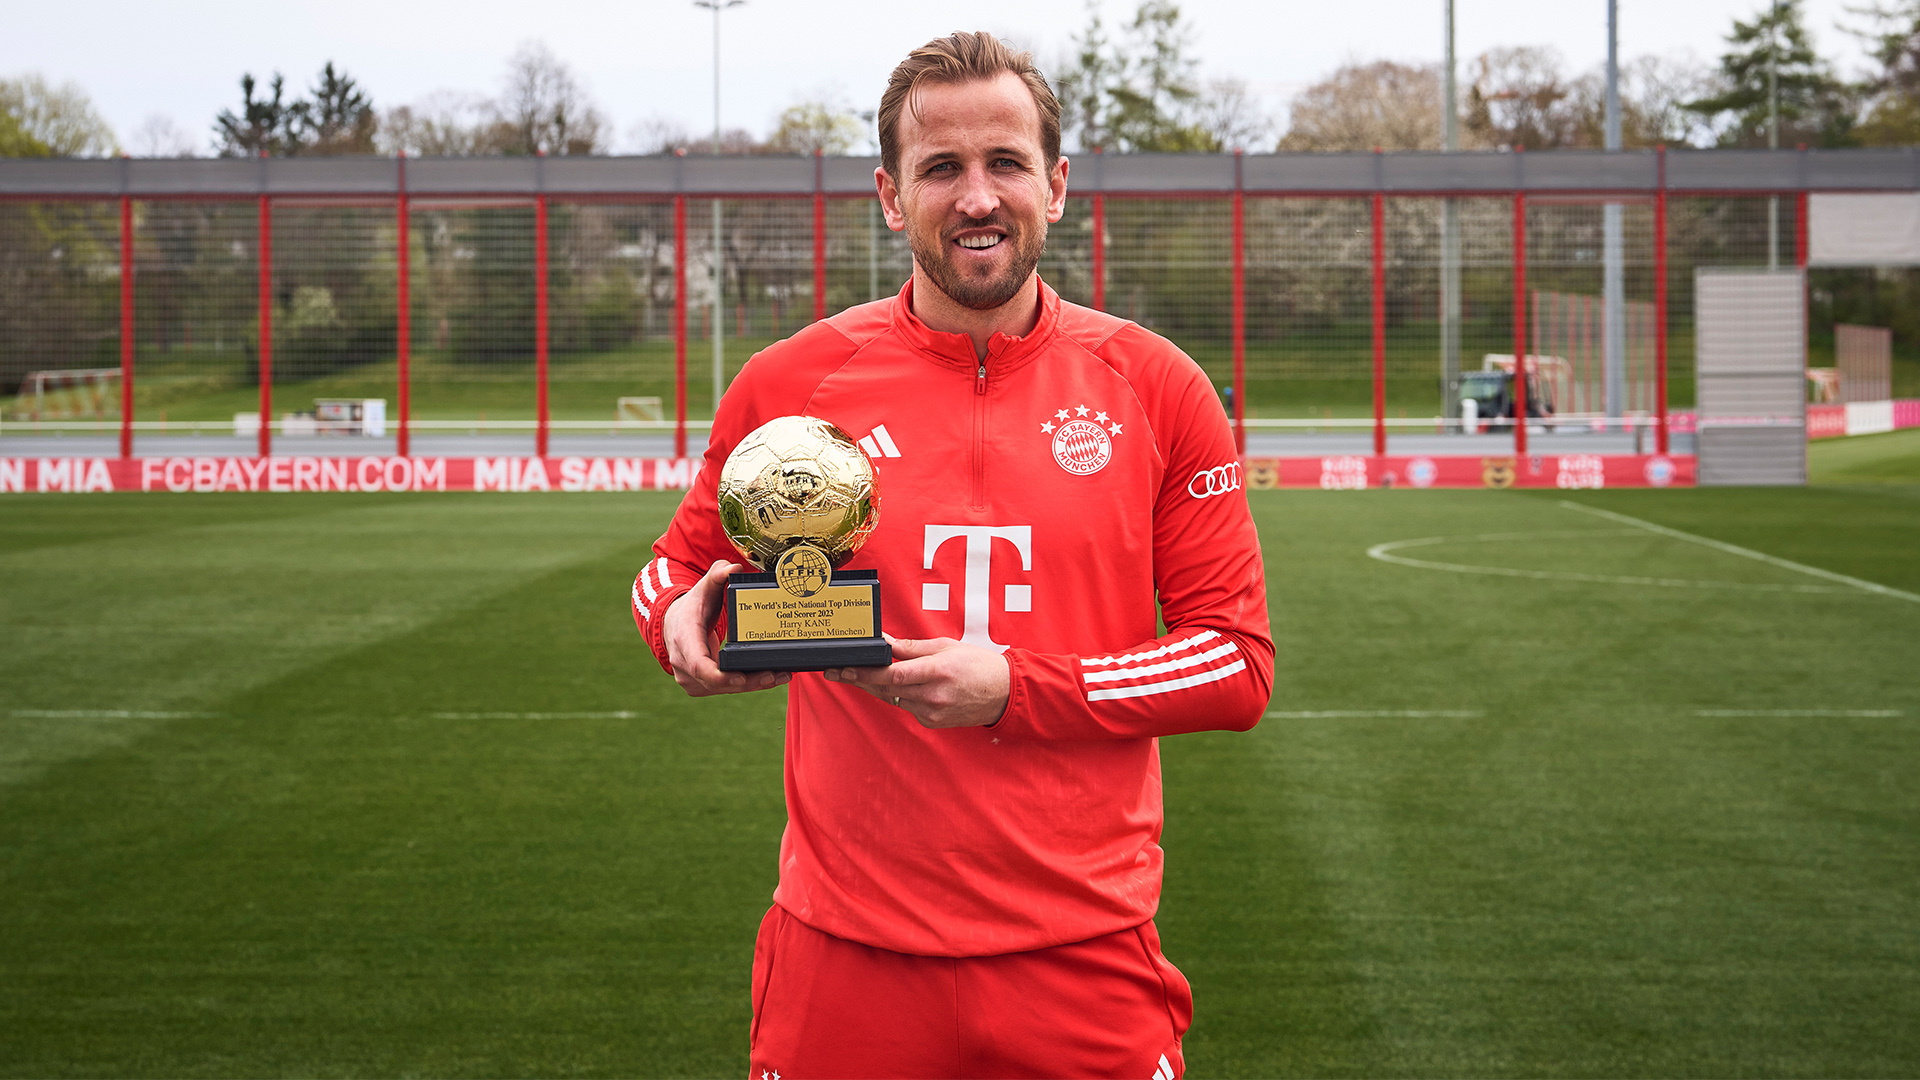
<point>977,198</point>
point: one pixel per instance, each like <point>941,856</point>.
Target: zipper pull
<point>980,381</point>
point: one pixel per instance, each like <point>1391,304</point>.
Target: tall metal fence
<point>500,294</point>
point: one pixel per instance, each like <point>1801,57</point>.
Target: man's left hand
<point>944,683</point>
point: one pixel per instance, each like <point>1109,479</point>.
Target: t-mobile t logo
<point>934,595</point>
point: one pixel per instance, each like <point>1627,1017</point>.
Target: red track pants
<point>827,1007</point>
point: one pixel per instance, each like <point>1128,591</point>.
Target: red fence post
<point>679,326</point>
<point>403,301</point>
<point>1379,325</point>
<point>1520,323</point>
<point>266,327</point>
<point>540,325</point>
<point>1239,309</point>
<point>819,238</point>
<point>126,327</point>
<point>1660,305</point>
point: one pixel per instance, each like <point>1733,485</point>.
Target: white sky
<point>640,58</point>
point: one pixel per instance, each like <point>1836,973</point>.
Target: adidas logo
<point>1165,1071</point>
<point>879,444</point>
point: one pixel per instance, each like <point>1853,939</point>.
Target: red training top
<point>1036,503</point>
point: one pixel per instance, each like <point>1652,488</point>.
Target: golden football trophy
<point>798,498</point>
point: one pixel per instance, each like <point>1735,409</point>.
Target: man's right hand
<point>693,645</point>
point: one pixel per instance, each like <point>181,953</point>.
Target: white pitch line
<point>1368,714</point>
<point>623,715</point>
<point>105,714</point>
<point>1745,553</point>
<point>1865,713</point>
<point>1385,553</point>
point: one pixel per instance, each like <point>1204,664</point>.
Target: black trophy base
<point>868,649</point>
<point>805,655</point>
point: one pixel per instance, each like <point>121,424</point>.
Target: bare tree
<point>544,109</point>
<point>1519,97</point>
<point>61,118</point>
<point>159,137</point>
<point>658,134</point>
<point>814,125</point>
<point>1230,113</point>
<point>1383,104</point>
<point>1655,90</point>
<point>445,123</point>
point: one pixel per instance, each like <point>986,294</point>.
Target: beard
<point>980,292</point>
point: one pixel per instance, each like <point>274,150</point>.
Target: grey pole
<point>1614,287</point>
<point>1773,131</point>
<point>1449,240</point>
<point>873,236</point>
<point>719,268</point>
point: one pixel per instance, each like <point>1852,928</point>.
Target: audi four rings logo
<point>1215,481</point>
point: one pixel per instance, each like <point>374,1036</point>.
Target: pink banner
<point>1826,421</point>
<point>1568,471</point>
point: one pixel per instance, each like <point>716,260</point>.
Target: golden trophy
<point>798,497</point>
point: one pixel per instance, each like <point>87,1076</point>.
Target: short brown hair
<point>961,57</point>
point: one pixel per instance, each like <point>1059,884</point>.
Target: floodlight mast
<point>1773,130</point>
<point>1613,272</point>
<point>719,279</point>
<point>1450,240</point>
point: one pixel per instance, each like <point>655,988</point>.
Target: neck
<point>1015,318</point>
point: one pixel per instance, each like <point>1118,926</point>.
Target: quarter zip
<point>977,493</point>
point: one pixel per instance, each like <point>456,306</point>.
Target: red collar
<point>1004,352</point>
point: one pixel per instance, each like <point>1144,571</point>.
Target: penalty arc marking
<point>1386,553</point>
<point>1745,553</point>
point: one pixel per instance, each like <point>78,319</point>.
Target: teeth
<point>978,241</point>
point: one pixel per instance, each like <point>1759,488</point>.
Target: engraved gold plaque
<point>837,611</point>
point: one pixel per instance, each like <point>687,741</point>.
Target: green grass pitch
<point>386,785</point>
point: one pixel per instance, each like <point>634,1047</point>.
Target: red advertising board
<point>77,475</point>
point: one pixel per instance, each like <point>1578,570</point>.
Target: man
<point>973,894</point>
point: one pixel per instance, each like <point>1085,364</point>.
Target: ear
<point>1057,191</point>
<point>890,200</point>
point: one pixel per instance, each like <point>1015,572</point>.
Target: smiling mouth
<point>979,243</point>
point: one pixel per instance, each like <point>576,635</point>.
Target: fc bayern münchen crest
<point>1082,439</point>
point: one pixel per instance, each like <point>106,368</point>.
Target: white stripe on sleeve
<point>646,584</point>
<point>637,605</point>
<point>1195,660</point>
<point>1168,685</point>
<point>1152,654</point>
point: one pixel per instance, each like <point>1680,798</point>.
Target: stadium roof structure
<point>1562,172</point>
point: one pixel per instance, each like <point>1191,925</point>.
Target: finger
<point>914,648</point>
<point>713,589</point>
<point>898,696</point>
<point>729,682</point>
<point>915,672</point>
<point>866,676</point>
